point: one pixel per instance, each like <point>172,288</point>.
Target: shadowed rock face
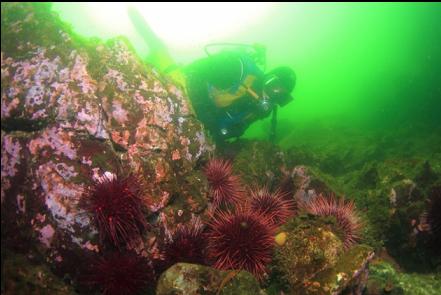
<point>185,278</point>
<point>72,109</point>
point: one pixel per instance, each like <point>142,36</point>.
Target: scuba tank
<point>230,124</point>
<point>256,51</point>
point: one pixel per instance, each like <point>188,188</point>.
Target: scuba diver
<point>228,90</point>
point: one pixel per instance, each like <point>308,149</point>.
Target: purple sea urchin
<point>225,188</point>
<point>240,240</point>
<point>276,206</point>
<point>117,208</point>
<point>344,212</point>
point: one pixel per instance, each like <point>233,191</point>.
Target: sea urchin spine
<point>240,240</point>
<point>117,207</point>
<point>225,188</point>
<point>186,244</point>
<point>277,206</point>
<point>344,213</point>
<point>119,274</point>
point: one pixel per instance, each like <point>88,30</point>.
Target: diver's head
<point>278,85</point>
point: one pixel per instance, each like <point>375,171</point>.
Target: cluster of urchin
<point>238,235</point>
<point>243,237</point>
<point>117,206</point>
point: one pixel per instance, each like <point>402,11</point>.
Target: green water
<point>366,118</point>
<point>363,68</point>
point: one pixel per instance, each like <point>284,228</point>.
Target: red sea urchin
<point>186,245</point>
<point>344,212</point>
<point>119,274</point>
<point>277,206</point>
<point>240,240</point>
<point>117,207</point>
<point>225,187</point>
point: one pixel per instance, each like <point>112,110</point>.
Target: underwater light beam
<point>190,24</point>
<point>183,25</point>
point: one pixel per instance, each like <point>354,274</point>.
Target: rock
<point>396,211</point>
<point>368,177</point>
<point>313,261</point>
<point>405,240</point>
<point>385,279</point>
<point>308,183</point>
<point>350,274</point>
<point>310,248</point>
<point>426,176</point>
<point>258,162</point>
<point>402,193</point>
<point>24,276</point>
<point>262,163</point>
<point>188,279</point>
<point>73,109</point>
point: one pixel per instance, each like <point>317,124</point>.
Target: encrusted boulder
<point>310,248</point>
<point>313,259</point>
<point>73,109</point>
<point>192,279</point>
<point>27,276</point>
<point>384,279</point>
<point>350,274</point>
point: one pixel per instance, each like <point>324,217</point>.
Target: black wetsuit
<point>225,71</point>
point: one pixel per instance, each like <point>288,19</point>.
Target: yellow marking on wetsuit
<point>224,98</point>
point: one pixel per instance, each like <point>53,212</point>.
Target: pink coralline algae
<point>157,141</point>
<point>162,118</point>
<point>73,92</point>
<point>116,77</point>
<point>91,118</point>
<point>8,107</point>
<point>61,196</point>
<point>122,55</point>
<point>10,156</point>
<point>47,70</point>
<point>162,202</point>
<point>65,171</point>
<point>10,161</point>
<point>121,137</point>
<point>58,140</point>
<point>31,79</point>
<point>176,155</point>
<point>46,235</point>
<point>118,113</point>
<point>79,73</point>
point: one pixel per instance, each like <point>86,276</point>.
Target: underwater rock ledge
<point>73,109</point>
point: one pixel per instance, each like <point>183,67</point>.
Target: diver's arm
<point>144,30</point>
<point>158,55</point>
